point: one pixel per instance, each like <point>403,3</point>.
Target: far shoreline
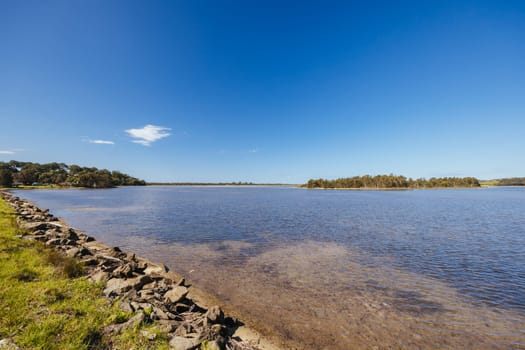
<point>198,185</point>
<point>218,184</point>
<point>397,188</point>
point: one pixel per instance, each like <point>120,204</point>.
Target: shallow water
<point>332,269</point>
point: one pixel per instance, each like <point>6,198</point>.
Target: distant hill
<point>15,173</point>
<point>393,182</point>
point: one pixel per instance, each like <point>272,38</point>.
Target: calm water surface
<point>337,269</point>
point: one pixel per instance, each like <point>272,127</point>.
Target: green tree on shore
<point>27,173</point>
<point>6,178</point>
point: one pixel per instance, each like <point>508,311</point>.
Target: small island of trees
<point>392,182</point>
<point>15,173</point>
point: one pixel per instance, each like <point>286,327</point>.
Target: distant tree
<point>57,177</point>
<point>6,178</point>
<point>28,175</point>
<point>392,181</point>
<point>513,181</point>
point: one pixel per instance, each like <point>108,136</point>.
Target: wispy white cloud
<point>253,150</point>
<point>7,152</point>
<point>148,134</point>
<point>101,142</point>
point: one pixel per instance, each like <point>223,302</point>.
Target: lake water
<point>331,269</point>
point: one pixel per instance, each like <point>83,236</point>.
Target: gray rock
<point>148,335</point>
<point>149,286</point>
<point>135,321</point>
<point>109,259</point>
<point>147,293</point>
<point>143,280</point>
<point>212,345</point>
<point>90,261</point>
<point>159,314</point>
<point>218,329</point>
<point>73,252</point>
<point>85,252</point>
<point>143,306</point>
<point>152,268</point>
<point>135,305</point>
<point>142,265</point>
<point>180,307</point>
<point>184,329</point>
<point>215,315</point>
<point>125,270</point>
<point>67,243</point>
<point>53,233</point>
<point>159,277</point>
<point>117,286</point>
<point>8,344</point>
<point>126,307</point>
<point>167,326</point>
<point>54,241</point>
<point>72,235</point>
<point>40,225</point>
<point>182,343</point>
<point>176,294</point>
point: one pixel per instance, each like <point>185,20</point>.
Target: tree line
<point>16,173</point>
<point>392,181</point>
<point>511,181</point>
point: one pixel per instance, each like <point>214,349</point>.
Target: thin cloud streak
<point>101,142</point>
<point>7,152</point>
<point>148,134</point>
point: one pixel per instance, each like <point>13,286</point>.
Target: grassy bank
<point>47,303</point>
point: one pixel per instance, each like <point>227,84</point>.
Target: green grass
<point>46,303</point>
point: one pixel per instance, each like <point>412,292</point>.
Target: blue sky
<point>265,91</point>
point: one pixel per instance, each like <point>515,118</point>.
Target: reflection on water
<point>333,269</point>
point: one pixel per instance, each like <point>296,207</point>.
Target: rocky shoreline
<point>149,290</point>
